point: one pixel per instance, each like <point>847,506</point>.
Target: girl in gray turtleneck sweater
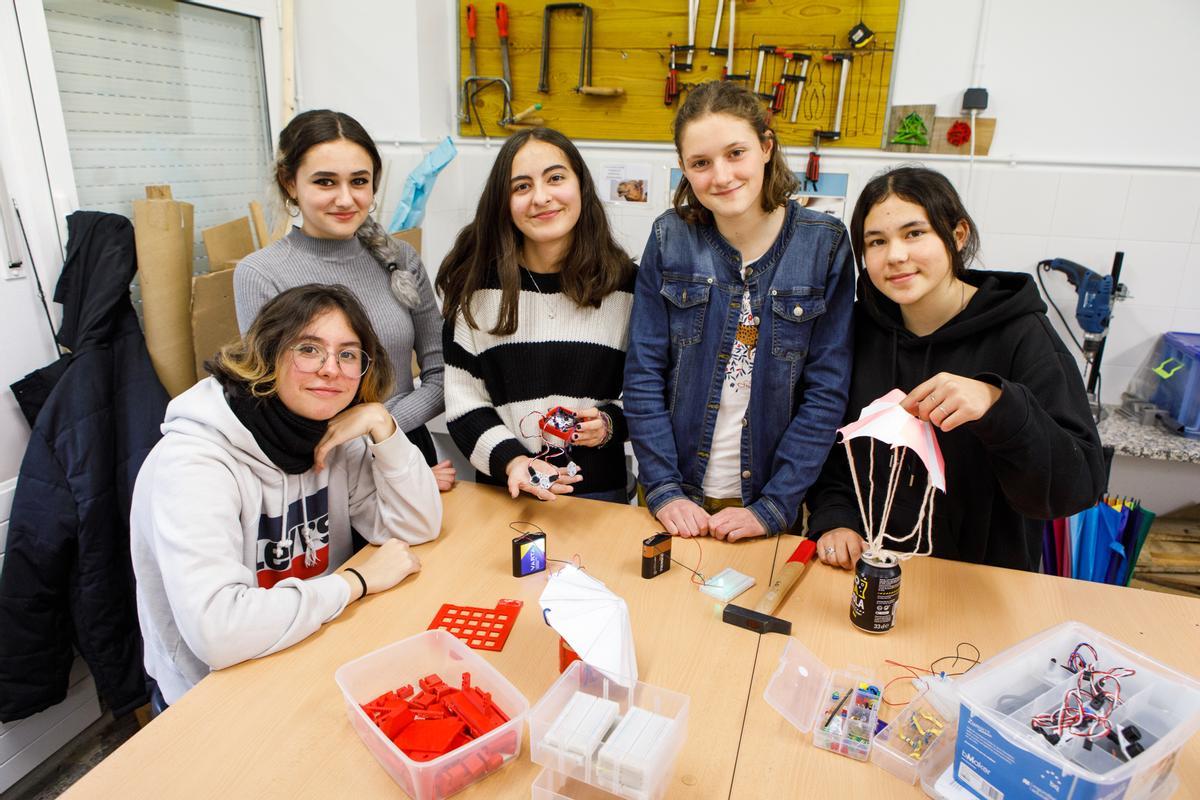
<point>328,170</point>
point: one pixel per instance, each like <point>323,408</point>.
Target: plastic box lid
<point>405,661</point>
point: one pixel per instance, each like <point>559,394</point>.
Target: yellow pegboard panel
<point>631,47</point>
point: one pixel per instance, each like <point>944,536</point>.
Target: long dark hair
<point>311,128</point>
<point>729,97</point>
<point>252,364</point>
<point>488,248</point>
<point>932,192</point>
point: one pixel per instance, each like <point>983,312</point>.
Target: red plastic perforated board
<point>479,628</point>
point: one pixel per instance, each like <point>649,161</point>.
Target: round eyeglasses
<point>311,357</point>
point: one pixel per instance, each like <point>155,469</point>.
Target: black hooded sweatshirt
<point>1034,455</point>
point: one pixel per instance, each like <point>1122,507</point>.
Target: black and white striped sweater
<point>561,354</point>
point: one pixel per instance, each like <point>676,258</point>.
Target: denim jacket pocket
<point>687,299</point>
<point>793,312</point>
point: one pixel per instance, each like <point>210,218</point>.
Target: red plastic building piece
<point>429,735</point>
<point>479,628</point>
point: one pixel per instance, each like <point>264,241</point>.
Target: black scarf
<point>287,438</point>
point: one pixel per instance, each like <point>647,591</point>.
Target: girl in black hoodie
<point>979,360</point>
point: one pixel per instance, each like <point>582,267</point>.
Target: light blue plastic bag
<point>419,184</point>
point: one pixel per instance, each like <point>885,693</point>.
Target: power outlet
<point>15,271</point>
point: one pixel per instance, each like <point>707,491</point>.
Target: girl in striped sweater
<point>536,297</point>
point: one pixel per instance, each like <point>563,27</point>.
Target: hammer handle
<point>787,577</point>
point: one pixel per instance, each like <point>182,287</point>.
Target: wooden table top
<point>277,727</point>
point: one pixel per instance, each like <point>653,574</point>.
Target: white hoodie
<point>217,583</point>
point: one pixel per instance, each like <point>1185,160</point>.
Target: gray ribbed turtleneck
<point>298,259</point>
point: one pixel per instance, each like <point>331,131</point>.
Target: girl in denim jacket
<point>739,356</point>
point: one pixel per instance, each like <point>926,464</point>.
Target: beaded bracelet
<point>608,429</point>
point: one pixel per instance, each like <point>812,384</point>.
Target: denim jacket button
<point>798,311</point>
<point>745,473</point>
<point>710,280</point>
<point>774,292</point>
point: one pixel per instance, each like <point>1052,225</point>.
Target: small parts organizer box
<point>1072,713</point>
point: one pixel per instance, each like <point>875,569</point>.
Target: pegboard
<point>631,42</point>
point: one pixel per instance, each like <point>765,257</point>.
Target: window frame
<point>43,83</point>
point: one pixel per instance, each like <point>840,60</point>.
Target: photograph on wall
<point>625,183</point>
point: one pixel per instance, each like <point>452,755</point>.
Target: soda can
<point>876,593</point>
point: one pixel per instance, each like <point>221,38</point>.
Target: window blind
<point>155,91</point>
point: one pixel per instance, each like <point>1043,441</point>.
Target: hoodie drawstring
<point>310,550</point>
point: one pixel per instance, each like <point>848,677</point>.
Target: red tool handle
<point>780,94</point>
<point>502,19</point>
<point>813,171</point>
<point>471,20</point>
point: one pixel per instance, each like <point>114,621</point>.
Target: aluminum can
<point>876,593</point>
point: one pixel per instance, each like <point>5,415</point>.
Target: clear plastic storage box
<point>1170,379</point>
<point>589,729</point>
<point>1150,715</point>
<point>803,690</point>
<point>436,651</point>
<point>924,730</point>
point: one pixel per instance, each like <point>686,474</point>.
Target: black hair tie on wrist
<point>361,580</point>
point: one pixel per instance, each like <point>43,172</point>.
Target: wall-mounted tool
<point>472,29</point>
<point>812,172</point>
<point>585,53</point>
<point>763,51</point>
<point>524,118</point>
<point>779,90</point>
<point>799,80</point>
<point>672,90</point>
<point>731,50</point>
<point>502,29</point>
<point>713,50</point>
<point>690,49</point>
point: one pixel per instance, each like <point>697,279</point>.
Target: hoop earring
<point>374,205</point>
<point>290,204</point>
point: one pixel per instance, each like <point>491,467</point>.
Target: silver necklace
<point>549,308</point>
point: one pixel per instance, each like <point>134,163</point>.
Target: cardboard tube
<point>163,237</point>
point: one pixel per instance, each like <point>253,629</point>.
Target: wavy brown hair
<point>730,97</point>
<point>252,365</point>
<point>488,249</point>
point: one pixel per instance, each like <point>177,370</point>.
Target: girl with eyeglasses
<point>244,509</point>
<point>327,173</point>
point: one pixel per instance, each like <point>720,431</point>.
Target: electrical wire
<point>1038,270</point>
<point>695,572</point>
<point>915,672</point>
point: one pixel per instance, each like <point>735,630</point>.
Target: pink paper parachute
<point>887,422</point>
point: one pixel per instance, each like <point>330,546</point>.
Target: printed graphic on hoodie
<point>301,552</point>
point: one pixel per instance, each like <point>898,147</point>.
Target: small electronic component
<point>727,584</point>
<point>528,554</point>
<point>541,480</point>
<point>559,423</point>
<point>656,555</point>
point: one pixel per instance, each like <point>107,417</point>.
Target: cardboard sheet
<point>228,243</point>
<point>214,316</point>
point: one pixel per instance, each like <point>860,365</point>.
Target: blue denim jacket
<point>685,317</point>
